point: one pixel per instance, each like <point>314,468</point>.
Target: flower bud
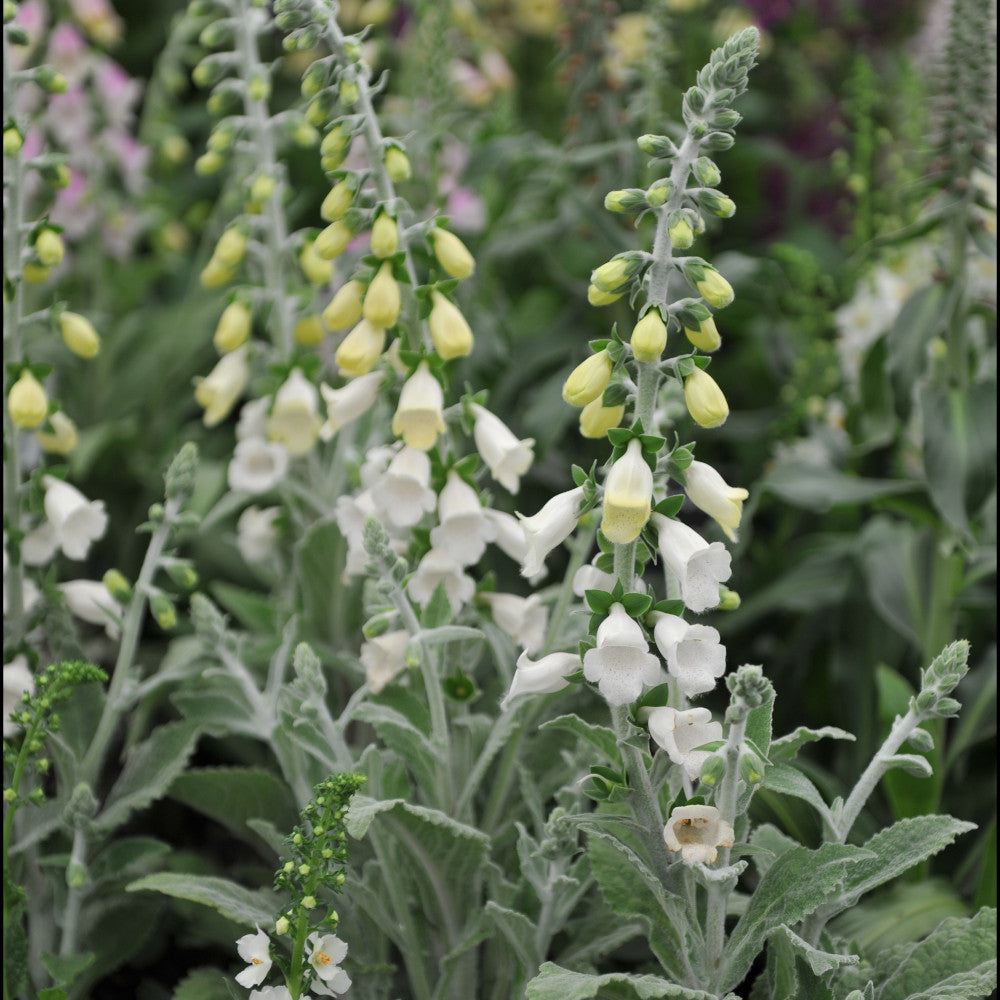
<point>34,274</point>
<point>706,171</point>
<point>717,203</point>
<point>50,80</point>
<point>706,337</point>
<point>259,88</point>
<point>49,247</point>
<point>452,254</point>
<point>333,240</point>
<point>714,289</point>
<point>596,419</point>
<point>397,164</point>
<point>118,586</point>
<point>317,270</point>
<point>588,380</point>
<point>261,189</point>
<point>27,403</point>
<point>282,926</point>
<point>729,600</point>
<point>79,334</point>
<point>231,248</point>
<point>598,298</point>
<point>705,401</point>
<point>63,436</point>
<point>449,329</point>
<point>610,276</point>
<point>712,771</point>
<point>309,331</point>
<point>382,300</point>
<point>345,308</point>
<point>318,112</point>
<point>337,202</point>
<point>360,350</point>
<point>180,571</point>
<point>349,92</point>
<point>385,236</point>
<point>233,329</point>
<point>209,163</point>
<point>625,200</point>
<point>659,193</point>
<point>13,141</point>
<point>649,336</point>
<point>680,232</point>
<point>656,145</point>
<point>163,611</point>
<point>215,274</point>
<point>334,146</point>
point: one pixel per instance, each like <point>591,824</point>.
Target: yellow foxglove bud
<point>649,337</point>
<point>382,301</point>
<point>659,193</point>
<point>598,298</point>
<point>216,274</point>
<point>334,146</point>
<point>337,202</point>
<point>419,417</point>
<point>231,248</point>
<point>118,585</point>
<point>714,289</point>
<point>588,380</point>
<point>596,419</point>
<point>260,190</point>
<point>233,329</point>
<point>397,164</point>
<point>349,92</point>
<point>309,331</point>
<point>27,403</point>
<point>625,200</point>
<point>304,135</point>
<point>385,236</point>
<point>729,600</point>
<point>63,436</point>
<point>317,270</point>
<point>706,337</point>
<point>628,496</point>
<point>259,88</point>
<point>452,254</point>
<point>333,240</point>
<point>13,141</point>
<point>79,334</point>
<point>705,401</point>
<point>209,163</point>
<point>610,276</point>
<point>34,274</point>
<point>218,392</point>
<point>360,350</point>
<point>49,247</point>
<point>345,307</point>
<point>450,332</point>
<point>163,611</point>
<point>681,234</point>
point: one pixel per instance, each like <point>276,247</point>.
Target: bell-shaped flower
<point>63,436</point>
<point>295,420</point>
<point>39,545</point>
<point>252,422</point>
<point>254,949</point>
<point>350,513</point>
<point>90,601</point>
<point>438,567</point>
<point>506,457</point>
<point>705,400</point>
<point>628,496</point>
<point>700,567</point>
<point>449,329</point>
<point>17,678</point>
<point>345,307</point>
<point>464,528</point>
<point>545,676</point>
<point>325,953</point>
<point>551,526</point>
<point>404,492</point>
<point>510,534</point>
<point>359,351</point>
<point>709,492</point>
<point>271,993</point>
<point>621,662</point>
<point>384,658</point>
<point>588,380</point>
<point>382,301</point>
<point>349,402</point>
<point>696,831</point>
<point>77,521</point>
<point>679,733</point>
<point>257,465</point>
<point>419,417</point>
<point>524,619</point>
<point>218,392</point>
<point>589,577</point>
<point>257,533</point>
<point>694,655</point>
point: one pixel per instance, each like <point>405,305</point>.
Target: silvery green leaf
<point>819,961</point>
<point>788,781</point>
<point>786,747</point>
<point>910,763</point>
<point>710,876</point>
<point>247,907</point>
<point>600,737</point>
<point>556,983</point>
<point>449,633</point>
<point>401,735</point>
<point>519,932</point>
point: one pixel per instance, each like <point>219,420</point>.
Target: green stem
<point>294,980</point>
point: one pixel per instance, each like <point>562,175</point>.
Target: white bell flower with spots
<point>464,528</point>
<point>697,832</point>
<point>294,420</point>
<point>419,417</point>
<point>545,676</point>
<point>698,566</point>
<point>679,733</point>
<point>254,949</point>
<point>621,662</point>
<point>694,655</point>
<point>326,952</point>
<point>628,496</point>
<point>506,457</point>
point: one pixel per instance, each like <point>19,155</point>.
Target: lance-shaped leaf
<point>249,907</point>
<point>555,983</point>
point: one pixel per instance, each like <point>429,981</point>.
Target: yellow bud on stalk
<point>385,236</point>
<point>452,254</point>
<point>397,164</point>
<point>610,276</point>
<point>598,298</point>
<point>382,300</point>
<point>360,350</point>
<point>231,248</point>
<point>705,400</point>
<point>209,163</point>
<point>49,247</point>
<point>681,234</point>
<point>714,289</point>
<point>79,334</point>
<point>34,274</point>
<point>13,141</point>
<point>309,331</point>
<point>334,146</point>
<point>649,337</point>
<point>259,88</point>
<point>449,329</point>
<point>62,438</point>
<point>337,202</point>
<point>706,337</point>
<point>216,274</point>
<point>345,307</point>
<point>233,329</point>
<point>317,270</point>
<point>658,193</point>
<point>333,240</point>
<point>596,419</point>
<point>27,403</point>
<point>588,380</point>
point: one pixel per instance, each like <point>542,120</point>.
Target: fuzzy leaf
<point>202,984</point>
<point>556,983</point>
<point>399,734</point>
<point>786,747</point>
<point>788,781</point>
<point>600,737</point>
<point>438,610</point>
<point>519,932</point>
<point>248,907</point>
<point>819,489</point>
<point>819,961</point>
<point>252,610</point>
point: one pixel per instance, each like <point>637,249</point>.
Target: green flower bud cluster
<point>940,679</point>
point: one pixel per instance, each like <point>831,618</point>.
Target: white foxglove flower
<point>621,662</point>
<point>693,653</point>
<point>698,566</point>
<point>254,949</point>
<point>253,419</point>
<point>373,468</point>
<point>551,526</point>
<point>404,492</point>
<point>419,417</point>
<point>350,515</point>
<point>295,420</point>
<point>524,619</point>
<point>90,601</point>
<point>589,577</point>
<point>709,492</point>
<point>464,529</point>
<point>347,404</point>
<point>506,457</point>
<point>384,658</point>
<point>17,678</point>
<point>326,952</point>
<point>273,993</point>
<point>39,545</point>
<point>696,831</point>
<point>628,496</point>
<point>223,385</point>
<point>680,732</point>
<point>77,521</point>
<point>439,567</point>
<point>546,676</point>
<point>257,465</point>
<point>510,538</point>
<point>256,533</point>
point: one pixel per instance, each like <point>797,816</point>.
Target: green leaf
<point>600,737</point>
<point>126,858</point>
<point>906,341</point>
<point>789,781</point>
<point>438,610</point>
<point>819,961</point>
<point>252,610</point>
<point>758,730</point>
<point>786,747</point>
<point>66,969</point>
<point>203,984</point>
<point>818,488</point>
<point>599,601</point>
<point>519,932</point>
<point>797,884</point>
<point>400,734</point>
<point>52,993</point>
<point>636,605</point>
<point>248,907</point>
<point>150,769</point>
<point>556,983</point>
<point>669,506</point>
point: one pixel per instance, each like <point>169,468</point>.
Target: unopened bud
<point>163,611</point>
<point>118,586</point>
<point>712,771</point>
<point>625,200</point>
<point>49,247</point>
<point>397,164</point>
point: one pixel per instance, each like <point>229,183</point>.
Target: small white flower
<point>419,417</point>
<point>384,658</point>
<point>253,419</point>
<point>709,492</point>
<point>256,533</point>
<point>698,566</point>
<point>589,577</point>
<point>257,465</point>
<point>351,514</point>
<point>404,492</point>
<point>696,831</point>
<point>551,526</point>
<point>464,529</point>
<point>17,678</point>
<point>273,993</point>
<point>295,420</point>
<point>254,949</point>
<point>524,619</point>
<point>545,676</point>
<point>350,402</point>
<point>90,601</point>
<point>693,653</point>
<point>40,545</point>
<point>373,468</point>
<point>77,521</point>
<point>326,952</point>
<point>680,732</point>
<point>507,458</point>
<point>621,662</point>
<point>628,496</point>
<point>435,568</point>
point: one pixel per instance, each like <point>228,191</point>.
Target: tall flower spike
<point>628,494</point>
